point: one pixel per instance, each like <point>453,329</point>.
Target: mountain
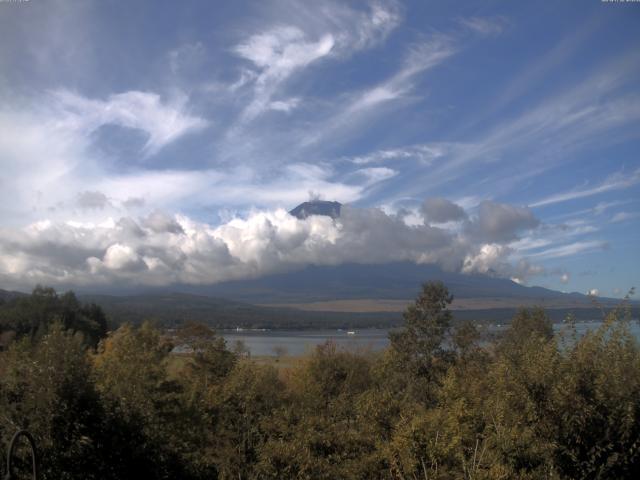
<point>172,309</point>
<point>388,286</point>
<point>348,300</point>
<point>317,207</point>
<point>6,295</point>
<point>392,281</point>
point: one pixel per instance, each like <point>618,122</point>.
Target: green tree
<point>143,403</point>
<point>418,350</point>
<point>33,315</point>
<point>47,389</point>
<point>594,424</point>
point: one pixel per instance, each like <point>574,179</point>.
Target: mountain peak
<point>317,207</point>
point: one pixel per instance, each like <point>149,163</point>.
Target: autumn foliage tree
<point>439,403</point>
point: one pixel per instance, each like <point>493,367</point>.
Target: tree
<point>594,424</point>
<point>210,359</point>
<point>418,348</point>
<point>31,316</point>
<point>47,388</point>
<point>145,406</point>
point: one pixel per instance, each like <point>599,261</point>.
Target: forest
<point>440,403</point>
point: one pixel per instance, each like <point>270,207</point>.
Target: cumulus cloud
<point>89,200</point>
<point>134,202</point>
<point>564,278</point>
<point>163,249</point>
<point>487,259</point>
<point>498,222</point>
<point>118,257</point>
<point>441,210</point>
<point>160,222</point>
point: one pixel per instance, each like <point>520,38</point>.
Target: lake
<point>299,342</point>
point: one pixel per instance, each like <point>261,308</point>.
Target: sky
<point>157,143</point>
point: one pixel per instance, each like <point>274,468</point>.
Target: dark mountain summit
<point>317,207</point>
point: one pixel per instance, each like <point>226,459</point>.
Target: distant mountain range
<point>388,281</point>
<point>6,295</point>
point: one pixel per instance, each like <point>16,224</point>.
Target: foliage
<point>31,316</point>
<point>437,404</point>
<point>418,348</point>
<point>47,388</point>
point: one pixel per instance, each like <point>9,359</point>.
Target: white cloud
<point>360,30</point>
<point>570,249</point>
<point>374,175</point>
<point>163,249</point>
<point>354,26</point>
<point>602,207</point>
<point>624,216</point>
<point>485,26</point>
<point>498,222</point>
<point>88,200</point>
<point>120,257</point>
<point>486,259</point>
<point>594,292</point>
<point>285,105</point>
<point>420,58</point>
<point>300,39</point>
<point>162,122</point>
<point>51,169</point>
<point>441,210</point>
<point>160,222</point>
<point>186,57</point>
<point>278,53</point>
<point>282,50</point>
<point>530,243</point>
<point>361,105</point>
<point>424,153</point>
<point>596,112</point>
<point>616,181</point>
<point>134,202</point>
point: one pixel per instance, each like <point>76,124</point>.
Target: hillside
<point>175,308</point>
<point>390,281</point>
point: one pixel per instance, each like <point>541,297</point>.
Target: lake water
<point>299,342</point>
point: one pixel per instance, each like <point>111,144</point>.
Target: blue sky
<point>159,142</point>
